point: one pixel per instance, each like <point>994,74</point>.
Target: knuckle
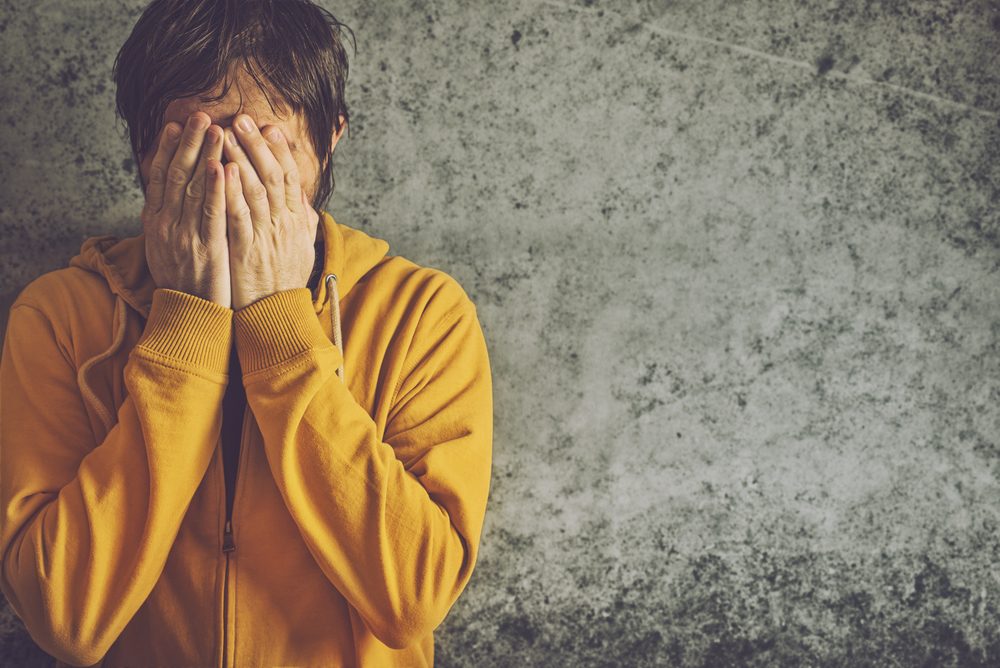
<point>176,175</point>
<point>273,179</point>
<point>213,210</point>
<point>154,230</point>
<point>292,177</point>
<point>194,189</point>
<point>192,139</point>
<point>257,191</point>
<point>151,220</point>
<point>183,239</point>
<point>202,249</point>
<point>161,236</point>
<point>165,141</point>
<point>239,212</point>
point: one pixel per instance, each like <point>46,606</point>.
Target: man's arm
<point>87,527</point>
<point>394,524</point>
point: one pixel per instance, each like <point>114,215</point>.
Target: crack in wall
<point>811,67</point>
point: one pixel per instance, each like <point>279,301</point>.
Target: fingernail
<point>245,124</point>
<point>231,138</point>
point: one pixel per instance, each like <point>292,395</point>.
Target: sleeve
<point>87,527</point>
<point>399,541</point>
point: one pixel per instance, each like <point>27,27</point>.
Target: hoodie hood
<point>348,254</point>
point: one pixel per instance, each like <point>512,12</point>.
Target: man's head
<point>280,61</point>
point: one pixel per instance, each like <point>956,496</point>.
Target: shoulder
<point>73,304</point>
<point>423,294</point>
<point>62,292</point>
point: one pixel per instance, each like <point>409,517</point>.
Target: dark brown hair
<point>184,48</point>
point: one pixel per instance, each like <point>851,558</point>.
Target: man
<point>247,436</point>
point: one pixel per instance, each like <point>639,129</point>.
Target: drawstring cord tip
<point>333,293</point>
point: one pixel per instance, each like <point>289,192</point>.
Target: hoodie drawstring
<point>81,375</point>
<point>334,294</point>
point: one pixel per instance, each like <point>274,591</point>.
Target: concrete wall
<point>737,264</point>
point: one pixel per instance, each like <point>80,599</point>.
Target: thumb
<point>313,214</point>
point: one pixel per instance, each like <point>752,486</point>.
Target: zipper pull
<point>228,545</point>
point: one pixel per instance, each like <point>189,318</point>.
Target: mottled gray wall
<point>737,264</point>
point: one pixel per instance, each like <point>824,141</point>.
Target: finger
<point>166,147</point>
<point>179,172</point>
<point>254,191</point>
<point>239,224</point>
<point>275,139</point>
<point>194,192</point>
<point>213,219</point>
<point>267,166</point>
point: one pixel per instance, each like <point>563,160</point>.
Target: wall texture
<point>737,264</point>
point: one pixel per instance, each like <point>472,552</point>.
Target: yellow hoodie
<point>362,484</point>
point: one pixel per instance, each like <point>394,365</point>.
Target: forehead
<point>241,98</point>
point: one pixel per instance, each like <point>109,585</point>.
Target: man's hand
<point>184,217</point>
<point>271,225</point>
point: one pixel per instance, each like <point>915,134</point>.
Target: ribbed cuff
<point>190,329</point>
<point>276,328</point>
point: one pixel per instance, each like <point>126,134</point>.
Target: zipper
<point>228,541</point>
<point>225,596</point>
<point>228,545</point>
